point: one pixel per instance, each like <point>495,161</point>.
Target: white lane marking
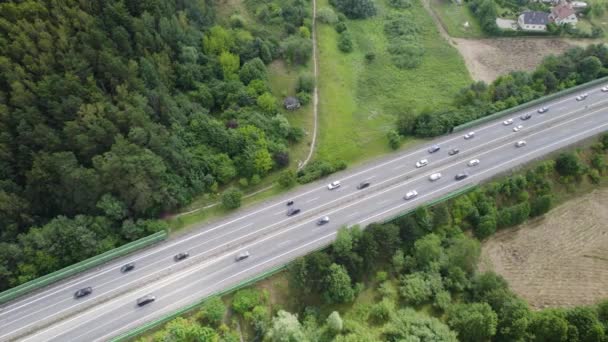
<point>371,177</point>
<point>371,196</point>
<point>183,274</point>
<point>351,215</point>
<point>283,243</point>
<point>384,201</point>
<point>312,200</point>
<point>279,213</point>
<point>8,308</point>
<point>482,172</point>
<point>189,298</point>
<point>400,166</point>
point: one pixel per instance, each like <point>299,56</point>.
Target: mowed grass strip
<point>359,100</point>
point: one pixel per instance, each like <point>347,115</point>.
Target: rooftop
<point>536,18</point>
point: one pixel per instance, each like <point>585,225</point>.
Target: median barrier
<point>80,266</point>
<point>529,104</point>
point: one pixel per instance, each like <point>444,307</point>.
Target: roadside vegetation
<point>555,73</point>
<point>372,69</point>
<point>416,277</point>
<point>458,21</point>
<point>116,113</point>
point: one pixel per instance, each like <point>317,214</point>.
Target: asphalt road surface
<point>272,238</point>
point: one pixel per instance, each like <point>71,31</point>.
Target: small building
<point>563,14</point>
<point>291,103</point>
<point>578,5</point>
<point>533,21</point>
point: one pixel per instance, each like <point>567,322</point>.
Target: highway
<point>272,238</point>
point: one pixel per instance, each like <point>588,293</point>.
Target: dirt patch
<point>487,59</point>
<point>558,261</point>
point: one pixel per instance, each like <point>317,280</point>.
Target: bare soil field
<point>487,59</point>
<point>560,260</point>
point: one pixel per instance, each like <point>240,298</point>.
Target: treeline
<point>575,66</point>
<point>426,285</point>
<point>116,112</point>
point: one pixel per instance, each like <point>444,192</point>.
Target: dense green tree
<point>355,9</point>
<point>473,322</point>
<point>286,328</point>
<point>212,311</point>
<point>568,164</point>
<point>415,288</point>
<point>428,251</point>
<point>338,285</point>
<point>334,322</point>
<point>287,179</point>
<point>548,325</point>
<point>586,323</point>
<point>409,325</point>
<point>252,70</point>
<point>245,300</point>
<point>231,199</point>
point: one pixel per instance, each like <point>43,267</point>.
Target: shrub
<point>231,199</point>
<point>306,83</point>
<point>370,57</point>
<point>327,15</point>
<point>304,98</point>
<point>287,179</point>
<point>400,3</point>
<point>394,140</point>
<point>355,9</point>
<point>341,27</point>
<point>345,42</point>
<point>245,300</point>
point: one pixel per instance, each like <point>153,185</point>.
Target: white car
<point>507,122</point>
<point>411,194</point>
<point>469,135</point>
<point>543,109</point>
<point>581,97</point>
<point>520,143</point>
<point>473,162</point>
<point>605,89</point>
<point>435,176</point>
<point>333,185</point>
<point>517,128</point>
<point>422,162</point>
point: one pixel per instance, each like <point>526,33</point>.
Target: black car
<point>242,256</point>
<point>145,300</point>
<point>526,116</point>
<point>461,176</point>
<point>83,292</point>
<point>453,151</point>
<point>128,267</point>
<point>363,185</point>
<point>292,211</point>
<point>181,256</point>
<point>434,148</point>
<point>289,203</point>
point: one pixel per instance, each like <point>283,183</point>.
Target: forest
<point>114,113</point>
<point>415,278</point>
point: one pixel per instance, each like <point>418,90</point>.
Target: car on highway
<point>333,185</point>
<point>241,256</point>
<point>323,220</point>
<point>605,89</point>
<point>525,116</point>
<point>289,203</point>
<point>520,143</point>
<point>581,97</point>
<point>422,162</point>
<point>83,292</point>
<point>461,175</point>
<point>507,122</point>
<point>435,176</point>
<point>145,300</point>
<point>517,128</point>
<point>128,267</point>
<point>453,151</point>
<point>411,195</point>
<point>469,135</point>
<point>543,110</point>
<point>434,148</point>
<point>181,256</point>
<point>363,185</point>
<point>473,162</point>
<point>292,211</point>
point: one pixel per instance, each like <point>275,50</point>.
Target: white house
<point>563,14</point>
<point>533,21</point>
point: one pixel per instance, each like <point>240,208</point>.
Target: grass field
<point>454,17</point>
<point>358,101</point>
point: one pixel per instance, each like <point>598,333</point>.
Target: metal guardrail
<point>529,104</point>
<point>160,321</point>
<point>80,266</point>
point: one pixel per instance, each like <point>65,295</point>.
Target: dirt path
<point>559,261</point>
<point>315,97</point>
